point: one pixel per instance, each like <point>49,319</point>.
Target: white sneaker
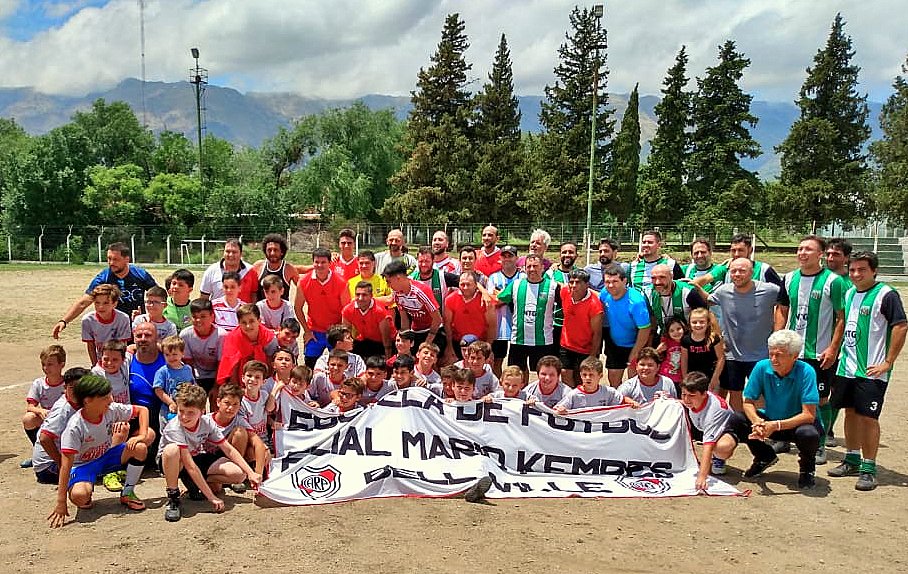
<point>718,466</point>
<point>821,455</point>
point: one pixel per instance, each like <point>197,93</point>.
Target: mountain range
<point>249,119</point>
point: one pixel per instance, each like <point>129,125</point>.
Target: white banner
<point>411,443</point>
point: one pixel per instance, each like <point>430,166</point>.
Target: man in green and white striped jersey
<point>649,256</point>
<point>741,246</point>
<point>875,328</point>
<point>533,300</point>
<point>838,251</point>
<point>701,255</point>
<point>811,303</point>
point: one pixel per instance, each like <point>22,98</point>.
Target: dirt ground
<point>775,529</point>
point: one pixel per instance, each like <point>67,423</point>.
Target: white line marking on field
<point>16,386</point>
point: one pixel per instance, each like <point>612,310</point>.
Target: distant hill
<point>251,118</point>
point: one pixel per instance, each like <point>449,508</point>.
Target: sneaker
<point>238,488</point>
<point>806,481</point>
<point>821,455</point>
<point>27,463</point>
<point>111,482</point>
<point>759,466</point>
<point>831,440</point>
<point>173,513</point>
<point>866,482</point>
<point>780,446</point>
<point>132,502</point>
<point>718,466</point>
<point>477,492</point>
<point>844,469</point>
<point>195,494</point>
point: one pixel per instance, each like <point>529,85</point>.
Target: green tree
<point>562,174</point>
<point>823,161</point>
<point>721,137</point>
<point>662,189</point>
<point>115,195</point>
<point>289,149</point>
<point>176,199</point>
<point>626,160</point>
<point>13,141</point>
<point>173,154</point>
<point>499,181</point>
<point>115,135</point>
<point>891,153</point>
<point>434,182</point>
<point>218,162</point>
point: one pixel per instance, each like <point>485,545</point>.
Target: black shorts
<point>440,340</point>
<point>520,355</point>
<point>570,360</point>
<point>49,475</point>
<point>206,383</point>
<point>617,357</point>
<point>556,337</point>
<point>203,460</point>
<point>825,377</point>
<point>500,348</point>
<point>865,396</point>
<point>368,348</point>
<point>735,374</point>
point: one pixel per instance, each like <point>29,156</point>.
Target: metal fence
<point>69,244</point>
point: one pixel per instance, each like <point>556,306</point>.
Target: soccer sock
<point>32,435</point>
<point>173,494</point>
<point>853,457</point>
<point>134,470</point>
<point>868,465</point>
<point>833,416</point>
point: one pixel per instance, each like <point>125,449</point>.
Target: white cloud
<point>8,7</point>
<point>346,47</point>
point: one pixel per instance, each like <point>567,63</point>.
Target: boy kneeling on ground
<point>180,454</point>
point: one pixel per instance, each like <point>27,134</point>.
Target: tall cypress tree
<point>626,160</point>
<point>719,187</point>
<point>434,182</point>
<point>823,163</point>
<point>564,148</point>
<point>498,181</point>
<point>662,179</point>
<point>891,152</point>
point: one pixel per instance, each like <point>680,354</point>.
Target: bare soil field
<point>775,529</point>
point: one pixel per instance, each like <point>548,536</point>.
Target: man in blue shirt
<point>627,324</point>
<point>788,388</point>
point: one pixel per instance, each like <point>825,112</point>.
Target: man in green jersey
<point>811,303</point>
<point>875,328</point>
<point>567,255</point>
<point>650,255</point>
<point>741,246</point>
<point>701,255</point>
<point>533,300</point>
<point>669,298</point>
<point>838,251</point>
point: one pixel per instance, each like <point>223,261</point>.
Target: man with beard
<point>669,298</point>
<point>629,321</point>
<point>701,255</point>
<point>608,254</point>
<point>441,260</point>
<point>838,252</point>
<point>488,259</point>
<point>497,282</point>
<point>211,287</point>
<point>438,281</point>
<point>132,281</point>
<point>649,256</point>
<point>567,253</point>
<point>741,246</point>
<point>395,252</point>
<point>275,248</point>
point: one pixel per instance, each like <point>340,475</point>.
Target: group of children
<point>214,425</point>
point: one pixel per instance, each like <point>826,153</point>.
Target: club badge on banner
<point>411,443</point>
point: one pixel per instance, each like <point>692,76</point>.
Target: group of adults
<point>529,306</point>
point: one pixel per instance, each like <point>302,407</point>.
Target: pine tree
<point>891,152</point>
<point>718,187</point>
<point>823,163</point>
<point>662,179</point>
<point>499,180</point>
<point>626,160</point>
<point>435,181</point>
<point>564,151</point>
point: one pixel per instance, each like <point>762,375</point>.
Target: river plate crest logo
<point>644,484</point>
<point>317,482</point>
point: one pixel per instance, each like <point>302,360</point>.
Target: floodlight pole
<point>199,78</point>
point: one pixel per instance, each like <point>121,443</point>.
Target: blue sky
<point>347,48</point>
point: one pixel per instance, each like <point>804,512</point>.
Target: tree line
<point>461,157</point>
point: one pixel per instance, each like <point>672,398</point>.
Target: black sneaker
<point>195,494</point>
<point>844,469</point>
<point>758,466</point>
<point>866,482</point>
<point>477,492</point>
<point>173,513</point>
<point>780,446</point>
<point>239,487</point>
<point>806,481</point>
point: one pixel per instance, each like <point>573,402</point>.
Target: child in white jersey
<point>95,442</point>
<point>348,396</point>
<point>155,304</point>
<point>648,385</point>
<point>274,308</point>
<point>105,322</point>
<point>182,455</point>
<point>710,414</point>
<point>375,384</point>
<point>226,305</point>
<point>294,394</point>
<point>46,452</point>
<point>511,385</point>
<point>113,367</point>
<point>589,393</point>
<point>43,393</point>
<point>256,406</point>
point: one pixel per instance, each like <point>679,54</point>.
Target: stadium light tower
<point>199,78</point>
<point>597,13</point>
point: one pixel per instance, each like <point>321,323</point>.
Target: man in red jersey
<point>326,294</point>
